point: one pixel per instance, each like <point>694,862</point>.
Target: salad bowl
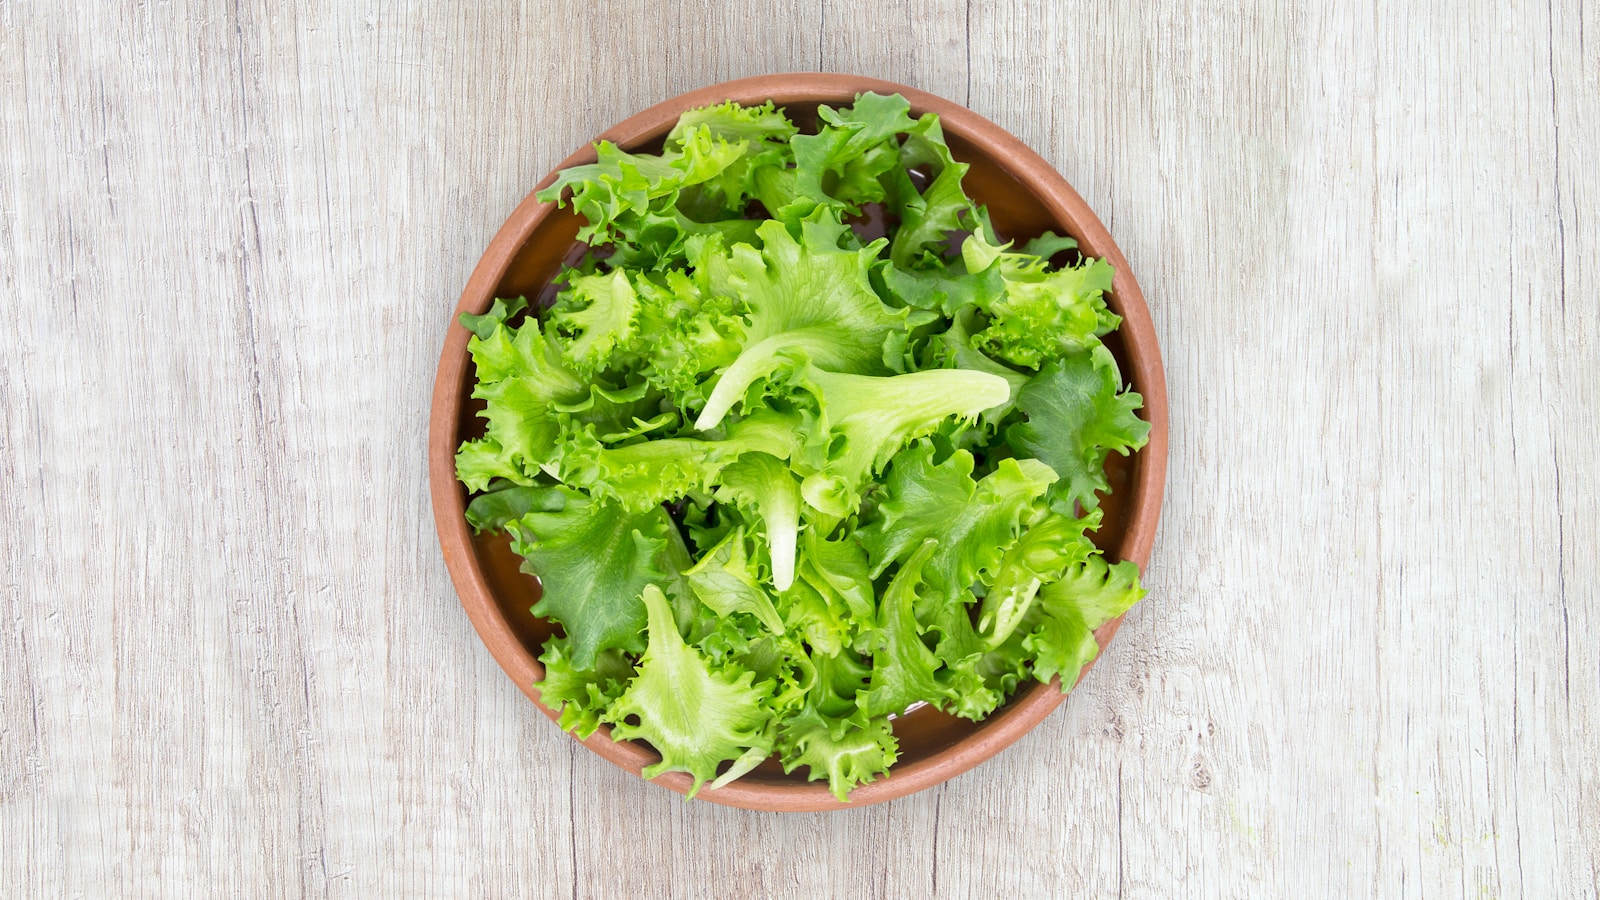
<point>1024,197</point>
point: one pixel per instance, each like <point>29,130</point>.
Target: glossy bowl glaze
<point>1024,196</point>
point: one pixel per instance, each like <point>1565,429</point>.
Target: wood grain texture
<point>231,661</point>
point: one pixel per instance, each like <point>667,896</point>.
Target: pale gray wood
<point>232,663</point>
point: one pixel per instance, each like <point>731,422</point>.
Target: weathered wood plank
<point>231,235</point>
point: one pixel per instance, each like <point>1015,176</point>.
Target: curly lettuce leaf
<point>593,558</point>
<point>904,670</point>
<point>763,131</point>
<point>971,522</point>
<point>505,502</point>
<point>815,618</point>
<point>1042,314</point>
<point>1061,626</point>
<point>642,475</point>
<point>953,348</point>
<point>594,316</point>
<point>621,190</point>
<point>684,335</point>
<point>837,571</point>
<point>857,146</point>
<point>695,716</point>
<point>662,326</point>
<point>762,483</point>
<point>946,288</point>
<point>960,651</point>
<point>929,216</point>
<point>864,420</point>
<point>839,168</point>
<point>727,582</point>
<point>520,375</point>
<point>1037,558</point>
<point>1049,244</point>
<point>762,124</point>
<point>804,296</point>
<point>500,310</point>
<point>646,473</point>
<point>580,697</point>
<point>1076,416</point>
<point>527,385</point>
<point>829,733</point>
<point>858,754</point>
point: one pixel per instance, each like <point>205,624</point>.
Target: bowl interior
<point>926,736</point>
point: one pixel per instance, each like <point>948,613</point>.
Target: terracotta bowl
<point>1024,196</point>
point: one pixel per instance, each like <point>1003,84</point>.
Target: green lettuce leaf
<point>855,755</point>
<point>1036,559</point>
<point>502,309</point>
<point>1075,417</point>
<point>928,217</point>
<point>837,571</point>
<point>595,315</point>
<point>904,670</point>
<point>953,348</point>
<point>647,473</point>
<point>520,376</point>
<point>684,335</point>
<point>815,617</point>
<point>593,558</point>
<point>726,581</point>
<point>695,716</point>
<point>970,522</point>
<point>763,131</point>
<point>960,651</point>
<point>762,484</point>
<point>865,420</point>
<point>581,696</point>
<point>947,288</point>
<point>857,146</point>
<point>505,502</point>
<point>804,296</point>
<point>1049,244</point>
<point>763,124</point>
<point>1043,314</point>
<point>830,734</point>
<point>1062,624</point>
<point>621,191</point>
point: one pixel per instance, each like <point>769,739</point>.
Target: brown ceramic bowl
<point>1024,196</point>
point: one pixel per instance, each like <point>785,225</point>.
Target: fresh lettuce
<point>696,716</point>
<point>1077,414</point>
<point>781,483</point>
<point>805,296</point>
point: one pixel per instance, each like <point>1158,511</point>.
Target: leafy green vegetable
<point>1088,596</point>
<point>594,559</point>
<point>781,483</point>
<point>805,297</point>
<point>521,376</point>
<point>864,420</point>
<point>971,523</point>
<point>726,583</point>
<point>904,670</point>
<point>1035,559</point>
<point>582,695</point>
<point>1076,417</point>
<point>696,717</point>
<point>761,483</point>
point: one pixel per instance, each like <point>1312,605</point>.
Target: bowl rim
<point>1032,702</point>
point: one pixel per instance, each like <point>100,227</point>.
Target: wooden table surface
<point>231,660</point>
